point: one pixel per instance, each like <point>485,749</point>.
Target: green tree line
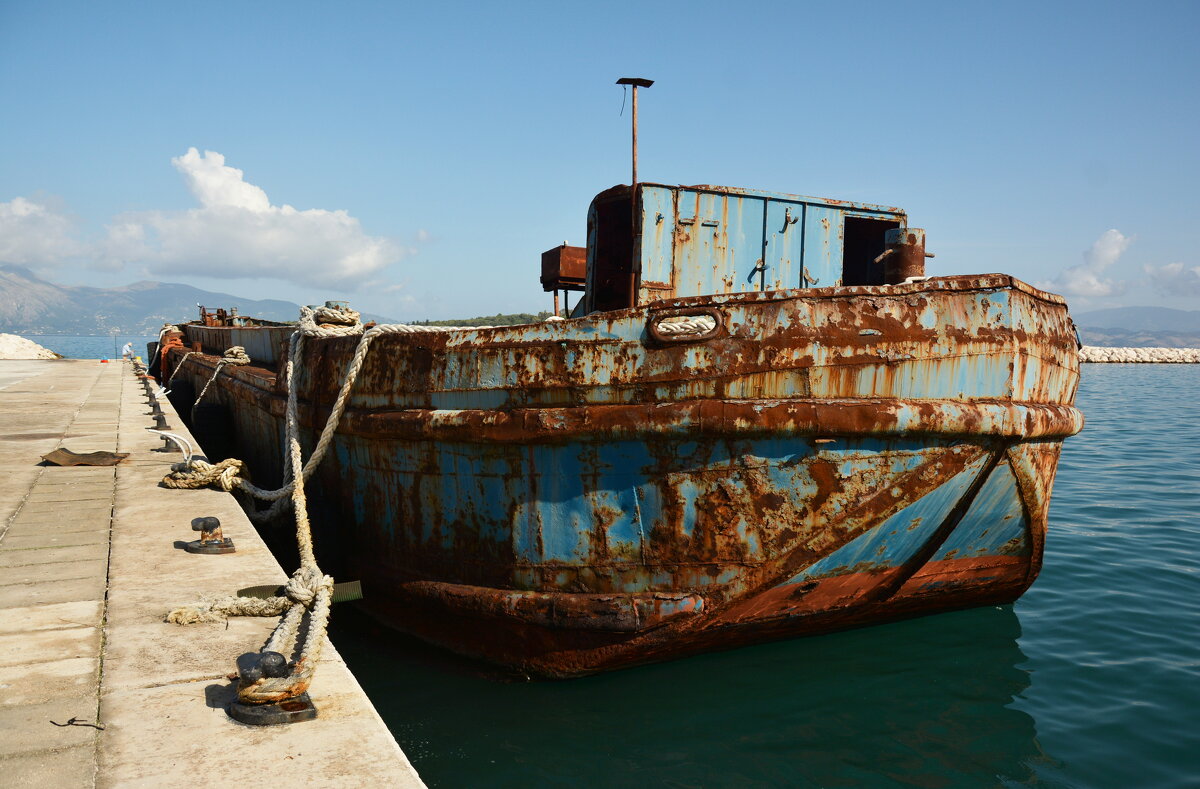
<point>510,319</point>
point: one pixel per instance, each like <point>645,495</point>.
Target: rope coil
<point>687,324</point>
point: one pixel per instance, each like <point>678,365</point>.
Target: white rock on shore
<point>15,347</point>
<point>1092,353</point>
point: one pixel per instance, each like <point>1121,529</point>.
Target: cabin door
<point>718,243</point>
<point>783,247</point>
<point>823,227</point>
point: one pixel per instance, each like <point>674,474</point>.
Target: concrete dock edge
<point>90,561</point>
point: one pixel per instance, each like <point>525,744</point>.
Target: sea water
<point>94,347</point>
<point>1092,679</point>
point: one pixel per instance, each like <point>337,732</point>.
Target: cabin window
<point>613,281</point>
<point>862,242</point>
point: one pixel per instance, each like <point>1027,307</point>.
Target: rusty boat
<point>760,420</point>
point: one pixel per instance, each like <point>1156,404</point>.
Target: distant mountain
<point>30,305</point>
<point>1125,338</point>
<point>1140,327</point>
<point>1154,319</point>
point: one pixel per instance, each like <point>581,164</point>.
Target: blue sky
<point>417,159</point>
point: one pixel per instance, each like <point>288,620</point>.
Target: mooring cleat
<point>211,541</point>
<point>294,710</point>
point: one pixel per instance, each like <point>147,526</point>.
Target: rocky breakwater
<point>15,347</point>
<point>1092,353</point>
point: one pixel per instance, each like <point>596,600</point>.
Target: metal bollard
<point>211,540</point>
<point>252,667</point>
<point>160,421</point>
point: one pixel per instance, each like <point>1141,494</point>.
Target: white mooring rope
<point>235,355</point>
<point>687,324</point>
<point>166,329</point>
<point>308,587</point>
<point>179,367</point>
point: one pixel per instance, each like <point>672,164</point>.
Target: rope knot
<point>197,473</point>
<point>304,585</point>
<point>332,320</point>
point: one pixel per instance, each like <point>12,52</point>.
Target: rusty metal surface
<point>905,255</point>
<point>262,343</point>
<point>952,338</point>
<point>564,268</point>
<point>230,317</point>
<point>572,611</point>
<point>703,240</point>
<point>574,496</point>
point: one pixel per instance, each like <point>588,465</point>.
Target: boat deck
<point>90,560</point>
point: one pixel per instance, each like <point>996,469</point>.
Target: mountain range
<point>1140,327</point>
<point>31,305</point>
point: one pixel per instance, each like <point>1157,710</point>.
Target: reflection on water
<point>925,702</point>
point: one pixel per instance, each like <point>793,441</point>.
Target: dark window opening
<point>862,242</point>
<point>613,282</point>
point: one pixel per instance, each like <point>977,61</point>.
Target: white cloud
<point>234,233</point>
<point>1175,279</point>
<point>237,232</point>
<point>215,184</point>
<point>1085,278</point>
<point>1107,249</point>
<point>34,233</point>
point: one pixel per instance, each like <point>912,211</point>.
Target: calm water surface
<point>1091,679</point>
<point>80,347</point>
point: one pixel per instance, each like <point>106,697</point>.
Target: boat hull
<point>566,538</point>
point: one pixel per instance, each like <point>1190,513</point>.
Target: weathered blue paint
<point>707,240</point>
<point>894,541</point>
<point>967,354</point>
<point>996,524</point>
<point>825,454</point>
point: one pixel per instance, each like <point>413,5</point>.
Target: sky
<point>416,159</point>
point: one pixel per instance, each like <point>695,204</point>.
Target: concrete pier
<point>95,688</point>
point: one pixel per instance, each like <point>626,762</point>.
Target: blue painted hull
<point>571,497</point>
